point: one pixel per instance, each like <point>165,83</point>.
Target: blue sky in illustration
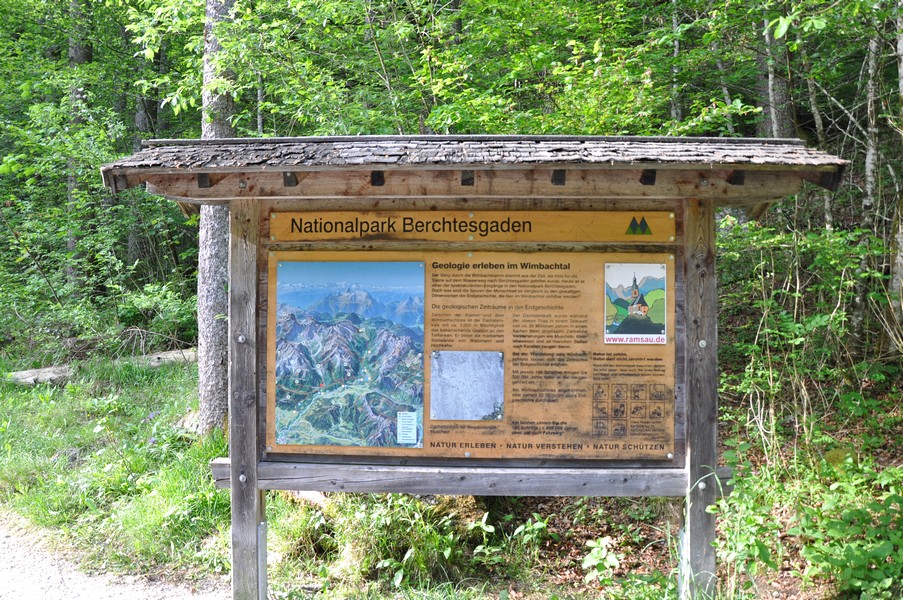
<point>374,275</point>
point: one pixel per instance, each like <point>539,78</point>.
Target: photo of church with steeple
<point>635,303</point>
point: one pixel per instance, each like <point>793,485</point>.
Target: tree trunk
<point>80,53</point>
<point>261,97</point>
<point>213,257</point>
<point>869,199</point>
<point>725,92</point>
<point>218,108</point>
<point>822,138</point>
<point>774,91</point>
<point>896,280</point>
<point>146,122</point>
<point>676,112</point>
<point>458,25</point>
<point>385,75</point>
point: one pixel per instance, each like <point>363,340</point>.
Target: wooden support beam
<point>503,481</point>
<point>829,180</point>
<point>718,185</point>
<point>248,510</point>
<point>648,177</point>
<point>289,179</point>
<point>697,564</point>
<point>485,481</point>
<point>737,178</point>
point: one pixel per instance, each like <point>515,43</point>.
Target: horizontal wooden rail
<point>495,481</point>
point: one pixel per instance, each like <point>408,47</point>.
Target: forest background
<point>811,319</point>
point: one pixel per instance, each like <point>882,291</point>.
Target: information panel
<point>472,354</point>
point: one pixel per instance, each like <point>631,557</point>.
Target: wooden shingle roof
<point>734,158</point>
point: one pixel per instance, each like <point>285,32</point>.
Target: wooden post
<point>248,511</point>
<point>697,552</point>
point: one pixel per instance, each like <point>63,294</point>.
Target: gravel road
<point>29,570</point>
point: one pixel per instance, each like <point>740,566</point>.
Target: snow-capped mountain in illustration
<point>398,308</point>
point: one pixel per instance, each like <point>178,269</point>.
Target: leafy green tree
<point>63,238</point>
<point>315,67</point>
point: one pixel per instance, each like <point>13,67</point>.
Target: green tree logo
<point>641,228</point>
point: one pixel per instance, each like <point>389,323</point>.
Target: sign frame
<point>509,476</point>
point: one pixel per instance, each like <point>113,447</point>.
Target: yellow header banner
<point>623,227</point>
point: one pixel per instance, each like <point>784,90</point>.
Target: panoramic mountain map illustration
<point>349,353</point>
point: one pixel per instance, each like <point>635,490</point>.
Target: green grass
<point>104,462</point>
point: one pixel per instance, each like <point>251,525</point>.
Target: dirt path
<point>30,571</point>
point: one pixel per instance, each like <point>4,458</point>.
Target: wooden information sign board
<point>472,354</point>
<point>491,315</point>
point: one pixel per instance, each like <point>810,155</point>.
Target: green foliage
<point>843,519</point>
<point>104,458</point>
<point>395,538</point>
<point>423,67</point>
<point>106,292</point>
<point>67,249</point>
<point>161,310</point>
<point>533,533</point>
<point>601,561</point>
<point>400,542</point>
<point>786,301</point>
<point>172,522</point>
<point>752,536</point>
<point>789,355</point>
<point>855,535</point>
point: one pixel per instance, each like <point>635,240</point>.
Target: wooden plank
<point>421,479</point>
<point>487,481</point>
<point>262,336</point>
<point>509,203</point>
<point>697,551</point>
<point>680,388</point>
<point>704,183</point>
<point>262,277</point>
<point>248,516</point>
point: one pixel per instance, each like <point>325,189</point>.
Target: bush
<point>853,531</point>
